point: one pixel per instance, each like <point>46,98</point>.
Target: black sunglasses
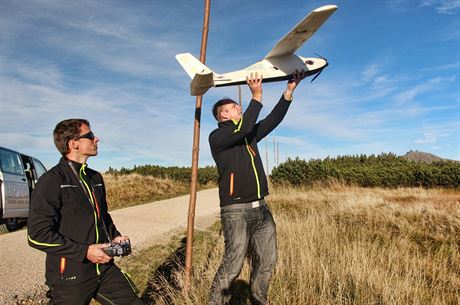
<point>89,135</point>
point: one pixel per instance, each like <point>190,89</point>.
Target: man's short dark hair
<point>65,131</point>
<point>219,103</point>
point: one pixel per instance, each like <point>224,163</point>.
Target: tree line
<point>182,174</point>
<point>384,170</point>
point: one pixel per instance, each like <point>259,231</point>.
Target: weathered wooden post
<point>195,155</point>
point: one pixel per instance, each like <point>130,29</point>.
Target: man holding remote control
<point>69,220</point>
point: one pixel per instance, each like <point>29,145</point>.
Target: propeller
<point>320,71</point>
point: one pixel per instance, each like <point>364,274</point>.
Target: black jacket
<point>62,223</point>
<point>234,149</point>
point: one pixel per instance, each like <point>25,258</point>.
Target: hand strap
<point>88,196</point>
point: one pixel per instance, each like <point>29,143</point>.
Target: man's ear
<point>223,115</point>
<point>72,145</point>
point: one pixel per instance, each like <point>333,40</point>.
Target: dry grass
<point>133,189</point>
<point>337,245</point>
<point>368,246</point>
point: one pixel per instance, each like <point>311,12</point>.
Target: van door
<point>39,169</point>
<point>15,190</point>
<point>33,169</point>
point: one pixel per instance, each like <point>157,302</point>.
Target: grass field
<point>336,245</point>
<point>133,189</point>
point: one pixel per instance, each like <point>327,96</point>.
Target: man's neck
<point>77,158</point>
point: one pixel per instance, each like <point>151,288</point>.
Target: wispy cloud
<point>382,80</point>
<point>91,32</point>
<point>434,133</point>
<point>448,66</point>
<point>432,84</point>
<point>442,6</point>
<point>428,138</point>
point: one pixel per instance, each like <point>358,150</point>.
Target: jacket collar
<point>229,123</point>
<point>77,165</point>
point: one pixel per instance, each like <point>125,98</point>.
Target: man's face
<point>230,111</point>
<point>86,145</point>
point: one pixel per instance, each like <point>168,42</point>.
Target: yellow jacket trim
<point>82,170</point>
<point>238,123</point>
<point>254,168</point>
<point>42,244</point>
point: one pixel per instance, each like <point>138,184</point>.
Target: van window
<point>10,162</point>
<point>39,168</point>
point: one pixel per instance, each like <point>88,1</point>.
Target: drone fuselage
<point>272,70</point>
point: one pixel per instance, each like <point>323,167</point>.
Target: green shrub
<point>206,174</point>
<point>384,170</point>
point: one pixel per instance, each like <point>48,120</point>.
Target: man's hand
<point>255,85</point>
<point>95,254</point>
<point>292,83</point>
<point>119,239</point>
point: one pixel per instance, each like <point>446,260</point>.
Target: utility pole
<point>239,96</point>
<point>274,152</point>
<point>277,153</point>
<point>266,157</point>
<point>195,155</point>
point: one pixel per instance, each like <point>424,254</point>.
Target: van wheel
<point>8,225</point>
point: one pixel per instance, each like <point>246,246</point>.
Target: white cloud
<point>431,85</point>
<point>447,66</point>
<point>428,138</point>
<point>432,134</point>
<point>371,71</point>
<point>442,6</point>
<point>449,7</point>
<point>118,38</point>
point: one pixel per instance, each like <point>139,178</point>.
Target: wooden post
<point>195,155</point>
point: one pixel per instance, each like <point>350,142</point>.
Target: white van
<point>18,175</point>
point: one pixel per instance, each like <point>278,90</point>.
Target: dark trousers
<point>247,230</point>
<point>111,287</point>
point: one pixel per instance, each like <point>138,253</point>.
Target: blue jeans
<point>246,231</point>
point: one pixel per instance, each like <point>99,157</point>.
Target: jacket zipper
<point>62,267</point>
<point>231,183</point>
<point>82,170</point>
<point>252,154</point>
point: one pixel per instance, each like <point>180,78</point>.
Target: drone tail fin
<point>202,77</point>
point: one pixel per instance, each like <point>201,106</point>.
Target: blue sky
<point>392,84</point>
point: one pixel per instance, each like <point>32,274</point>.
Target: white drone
<point>279,64</point>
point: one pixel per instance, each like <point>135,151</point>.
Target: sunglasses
<point>90,135</point>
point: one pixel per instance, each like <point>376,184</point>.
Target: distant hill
<point>421,156</point>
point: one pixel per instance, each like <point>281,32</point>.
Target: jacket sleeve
<point>43,221</point>
<point>265,126</point>
<point>113,232</point>
<point>223,138</point>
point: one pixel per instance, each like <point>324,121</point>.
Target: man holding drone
<point>247,222</point>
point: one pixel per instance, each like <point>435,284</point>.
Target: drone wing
<point>302,31</point>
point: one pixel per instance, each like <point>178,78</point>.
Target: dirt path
<point>22,268</point>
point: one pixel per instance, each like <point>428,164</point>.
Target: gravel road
<point>23,268</point>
